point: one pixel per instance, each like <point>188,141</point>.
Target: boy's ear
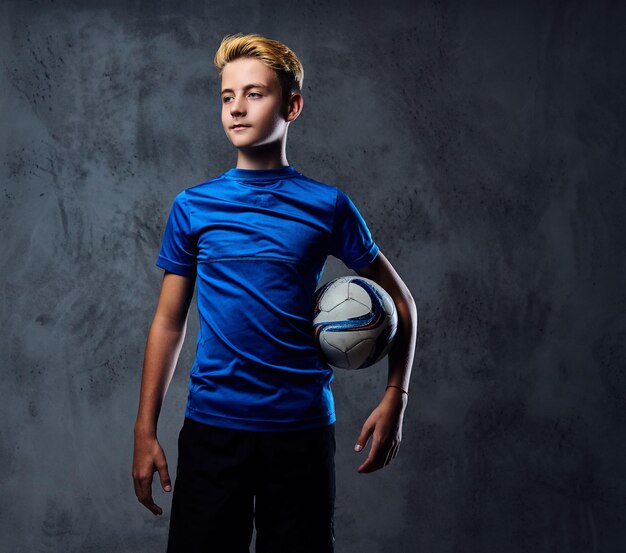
<point>294,106</point>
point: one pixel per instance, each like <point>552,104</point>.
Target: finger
<point>375,459</point>
<point>389,455</point>
<point>363,438</point>
<point>395,453</point>
<point>152,506</point>
<point>392,453</point>
<point>164,475</point>
<point>143,491</point>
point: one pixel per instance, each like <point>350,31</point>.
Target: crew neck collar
<point>260,176</point>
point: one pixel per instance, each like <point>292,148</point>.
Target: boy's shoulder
<point>196,190</point>
<point>199,186</point>
<point>315,182</point>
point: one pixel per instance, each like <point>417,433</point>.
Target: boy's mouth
<point>235,127</point>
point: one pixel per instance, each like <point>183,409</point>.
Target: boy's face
<point>251,104</point>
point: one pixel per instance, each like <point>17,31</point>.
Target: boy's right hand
<point>149,458</point>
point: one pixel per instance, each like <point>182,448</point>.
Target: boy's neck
<point>269,156</point>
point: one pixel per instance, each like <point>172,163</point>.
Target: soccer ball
<point>354,321</point>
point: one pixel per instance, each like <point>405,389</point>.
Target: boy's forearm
<point>162,350</point>
<point>403,349</point>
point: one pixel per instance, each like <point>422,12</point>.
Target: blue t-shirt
<point>257,241</point>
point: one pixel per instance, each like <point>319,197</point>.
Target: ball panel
<point>346,340</point>
<point>359,353</point>
<point>383,344</point>
<point>347,309</point>
<point>358,293</point>
<point>388,305</point>
<point>332,298</point>
<point>334,356</point>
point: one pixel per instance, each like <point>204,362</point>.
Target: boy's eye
<point>226,98</point>
<point>254,94</point>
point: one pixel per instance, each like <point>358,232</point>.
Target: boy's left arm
<point>385,422</point>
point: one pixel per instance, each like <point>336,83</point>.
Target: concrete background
<point>484,144</point>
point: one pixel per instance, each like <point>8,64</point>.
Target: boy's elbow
<point>167,322</point>
<point>409,302</point>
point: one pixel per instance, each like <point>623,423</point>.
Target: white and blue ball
<point>355,321</point>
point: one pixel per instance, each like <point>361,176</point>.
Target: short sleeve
<point>351,240</point>
<point>178,248</point>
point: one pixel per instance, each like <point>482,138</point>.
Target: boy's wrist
<point>393,388</point>
<point>144,430</point>
<point>396,394</point>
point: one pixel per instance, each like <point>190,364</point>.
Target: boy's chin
<point>246,146</point>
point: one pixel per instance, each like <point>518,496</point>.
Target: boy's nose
<point>236,107</point>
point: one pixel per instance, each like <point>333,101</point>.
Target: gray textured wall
<point>483,142</point>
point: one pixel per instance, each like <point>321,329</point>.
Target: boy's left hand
<point>385,424</point>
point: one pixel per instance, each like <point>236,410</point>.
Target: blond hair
<point>272,53</point>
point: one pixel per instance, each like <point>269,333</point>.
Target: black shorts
<point>227,480</point>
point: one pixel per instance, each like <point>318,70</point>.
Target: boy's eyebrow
<point>247,87</point>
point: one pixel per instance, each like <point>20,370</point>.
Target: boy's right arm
<point>165,339</point>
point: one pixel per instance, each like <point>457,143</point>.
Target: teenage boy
<point>257,444</point>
